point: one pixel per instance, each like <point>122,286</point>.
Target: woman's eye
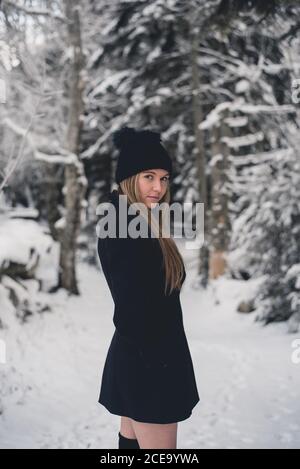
<point>150,176</point>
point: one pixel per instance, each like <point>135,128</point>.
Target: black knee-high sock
<point>127,443</point>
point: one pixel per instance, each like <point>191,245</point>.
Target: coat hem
<point>151,420</point>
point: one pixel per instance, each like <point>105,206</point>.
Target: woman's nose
<point>157,186</point>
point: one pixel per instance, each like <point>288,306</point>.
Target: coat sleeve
<point>140,314</point>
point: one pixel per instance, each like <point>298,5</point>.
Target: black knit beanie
<point>139,150</point>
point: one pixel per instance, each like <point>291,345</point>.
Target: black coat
<point>148,374</point>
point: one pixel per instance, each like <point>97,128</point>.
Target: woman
<point>148,377</point>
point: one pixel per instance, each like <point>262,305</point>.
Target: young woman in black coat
<point>148,377</point>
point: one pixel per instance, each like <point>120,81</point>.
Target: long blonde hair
<point>173,262</point>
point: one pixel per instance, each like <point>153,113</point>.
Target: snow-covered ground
<point>248,384</point>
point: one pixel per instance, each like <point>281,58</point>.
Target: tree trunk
<point>75,181</point>
<point>52,196</point>
<point>220,224</point>
<point>200,153</point>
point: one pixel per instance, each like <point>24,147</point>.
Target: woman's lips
<point>154,198</point>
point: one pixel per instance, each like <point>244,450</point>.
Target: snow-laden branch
<point>62,158</point>
<point>233,122</point>
<point>214,117</point>
<point>255,108</point>
<point>244,140</point>
<point>92,150</point>
<point>263,157</point>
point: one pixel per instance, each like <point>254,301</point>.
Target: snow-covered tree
<point>49,129</point>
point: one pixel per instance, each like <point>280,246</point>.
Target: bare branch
<point>34,11</point>
<point>20,152</point>
<point>62,156</point>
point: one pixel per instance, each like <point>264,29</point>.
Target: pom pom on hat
<point>123,136</point>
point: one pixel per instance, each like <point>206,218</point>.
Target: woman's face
<point>153,185</point>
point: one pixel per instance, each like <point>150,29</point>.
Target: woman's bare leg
<point>155,436</point>
<point>126,428</point>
